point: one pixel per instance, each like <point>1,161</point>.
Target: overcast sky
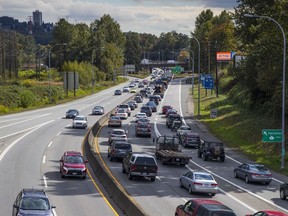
<point>142,16</point>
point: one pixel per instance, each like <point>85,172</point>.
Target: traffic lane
<point>74,196</point>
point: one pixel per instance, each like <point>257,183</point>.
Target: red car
<point>165,108</point>
<point>268,213</point>
<point>73,164</point>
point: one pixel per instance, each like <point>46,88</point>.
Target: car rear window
<point>118,132</point>
<point>122,146</point>
<point>258,168</point>
<point>203,177</point>
<point>145,161</point>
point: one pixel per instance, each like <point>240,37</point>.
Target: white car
<point>117,134</point>
<point>140,115</point>
<point>126,89</point>
<point>183,129</point>
<point>80,122</point>
<point>122,113</point>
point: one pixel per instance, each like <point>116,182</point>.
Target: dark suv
<point>284,191</point>
<point>171,118</point>
<point>147,110</point>
<point>32,202</point>
<point>213,150</point>
<point>119,149</point>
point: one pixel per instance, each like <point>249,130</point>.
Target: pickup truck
<point>169,150</point>
<point>207,207</point>
<point>139,164</point>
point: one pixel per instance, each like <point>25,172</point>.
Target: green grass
<point>240,129</point>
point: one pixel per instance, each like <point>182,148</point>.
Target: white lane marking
<point>29,119</point>
<point>58,133</point>
<point>44,159</point>
<point>45,181</point>
<point>12,144</point>
<point>50,143</point>
<point>180,104</point>
<point>18,132</point>
<point>239,201</point>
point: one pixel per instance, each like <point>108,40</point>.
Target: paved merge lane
<point>162,196</point>
<point>31,146</point>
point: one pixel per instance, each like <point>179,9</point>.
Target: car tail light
<point>214,185</point>
<point>133,167</point>
<point>255,174</point>
<point>197,183</point>
<point>269,175</point>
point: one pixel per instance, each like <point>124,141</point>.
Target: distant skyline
<point>142,16</point>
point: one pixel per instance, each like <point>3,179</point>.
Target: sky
<point>142,16</point>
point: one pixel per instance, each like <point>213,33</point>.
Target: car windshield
<point>145,161</point>
<point>118,132</point>
<point>35,203</point>
<point>122,146</point>
<point>74,159</point>
<point>115,118</point>
<point>212,144</point>
<point>71,111</point>
<point>258,168</point>
<point>203,177</point>
<point>97,107</point>
<point>79,118</point>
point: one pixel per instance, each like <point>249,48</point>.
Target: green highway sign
<point>271,135</point>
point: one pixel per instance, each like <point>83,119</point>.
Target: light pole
<point>49,54</point>
<point>283,82</point>
<point>199,80</point>
<point>192,71</point>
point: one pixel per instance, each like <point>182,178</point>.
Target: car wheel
<point>123,169</point>
<point>199,153</point>
<point>205,157</point>
<point>222,159</point>
<point>84,177</point>
<point>130,177</point>
<point>282,194</point>
<point>246,179</point>
<point>108,155</point>
<point>108,125</point>
<point>62,175</point>
<point>153,179</point>
<point>235,174</point>
<point>190,189</point>
<point>180,184</point>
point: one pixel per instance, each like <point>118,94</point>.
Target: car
<point>207,207</point>
<point>183,129</point>
<point>135,103</point>
<point>199,182</point>
<point>131,105</point>
<point>190,139</point>
<point>132,85</point>
<point>119,150</point>
<point>211,150</point>
<point>121,113</point>
<point>117,134</point>
<point>114,121</point>
<point>159,97</point>
<point>140,115</point>
<point>98,110</point>
<point>80,122</point>
<point>268,213</point>
<point>176,125</point>
<point>147,110</point>
<point>126,107</point>
<point>283,191</point>
<point>126,89</point>
<point>171,111</point>
<point>253,172</point>
<point>171,118</point>
<point>154,98</point>
<point>140,85</point>
<point>143,129</point>
<point>145,82</point>
<point>138,99</point>
<point>143,121</point>
<point>165,108</point>
<point>152,105</point>
<point>117,92</point>
<point>133,91</point>
<point>32,202</point>
<point>73,164</point>
<point>72,113</point>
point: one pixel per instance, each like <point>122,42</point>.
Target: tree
<point>132,49</point>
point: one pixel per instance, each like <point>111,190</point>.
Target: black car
<point>171,118</point>
<point>138,99</point>
<point>154,98</point>
<point>147,110</point>
<point>32,202</point>
<point>72,113</point>
<point>284,191</point>
<point>117,92</point>
<point>152,105</point>
<point>211,150</point>
<point>119,149</point>
<point>131,105</point>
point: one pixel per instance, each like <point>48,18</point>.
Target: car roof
<point>206,201</point>
<point>118,130</point>
<point>142,155</point>
<point>71,153</point>
<point>33,192</point>
<point>81,116</point>
<point>200,173</point>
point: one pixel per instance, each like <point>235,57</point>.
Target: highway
<point>162,196</point>
<point>31,145</point>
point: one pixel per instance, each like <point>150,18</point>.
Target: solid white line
<point>180,104</point>
<point>12,144</point>
<point>45,181</point>
<point>50,143</point>
<point>44,159</point>
<point>18,132</point>
<point>58,133</point>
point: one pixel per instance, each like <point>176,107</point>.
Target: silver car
<point>117,134</point>
<point>98,110</point>
<point>200,182</point>
<point>80,122</point>
<point>253,172</point>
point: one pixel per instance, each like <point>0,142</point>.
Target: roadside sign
<point>272,135</point>
<point>209,83</point>
<point>203,77</point>
<point>213,113</point>
<point>223,56</point>
<point>176,69</point>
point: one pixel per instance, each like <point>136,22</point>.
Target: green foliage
<point>26,98</point>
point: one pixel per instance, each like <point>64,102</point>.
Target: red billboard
<point>223,56</point>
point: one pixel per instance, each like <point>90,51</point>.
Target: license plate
<point>206,185</point>
<point>74,173</point>
<point>145,174</point>
<point>177,159</point>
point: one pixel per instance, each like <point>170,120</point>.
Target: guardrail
<point>116,191</point>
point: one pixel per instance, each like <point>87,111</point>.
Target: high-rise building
<point>37,17</point>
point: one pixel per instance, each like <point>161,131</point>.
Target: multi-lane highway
<point>31,144</point>
<point>162,196</point>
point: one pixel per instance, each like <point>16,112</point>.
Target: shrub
<point>26,98</point>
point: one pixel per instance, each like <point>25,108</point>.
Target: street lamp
<point>49,54</point>
<point>283,82</point>
<point>199,80</point>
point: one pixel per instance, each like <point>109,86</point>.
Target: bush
<point>26,98</point>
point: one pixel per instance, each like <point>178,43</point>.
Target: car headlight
<point>84,169</point>
<point>65,168</point>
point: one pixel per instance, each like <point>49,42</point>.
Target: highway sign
<point>209,83</point>
<point>272,135</point>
